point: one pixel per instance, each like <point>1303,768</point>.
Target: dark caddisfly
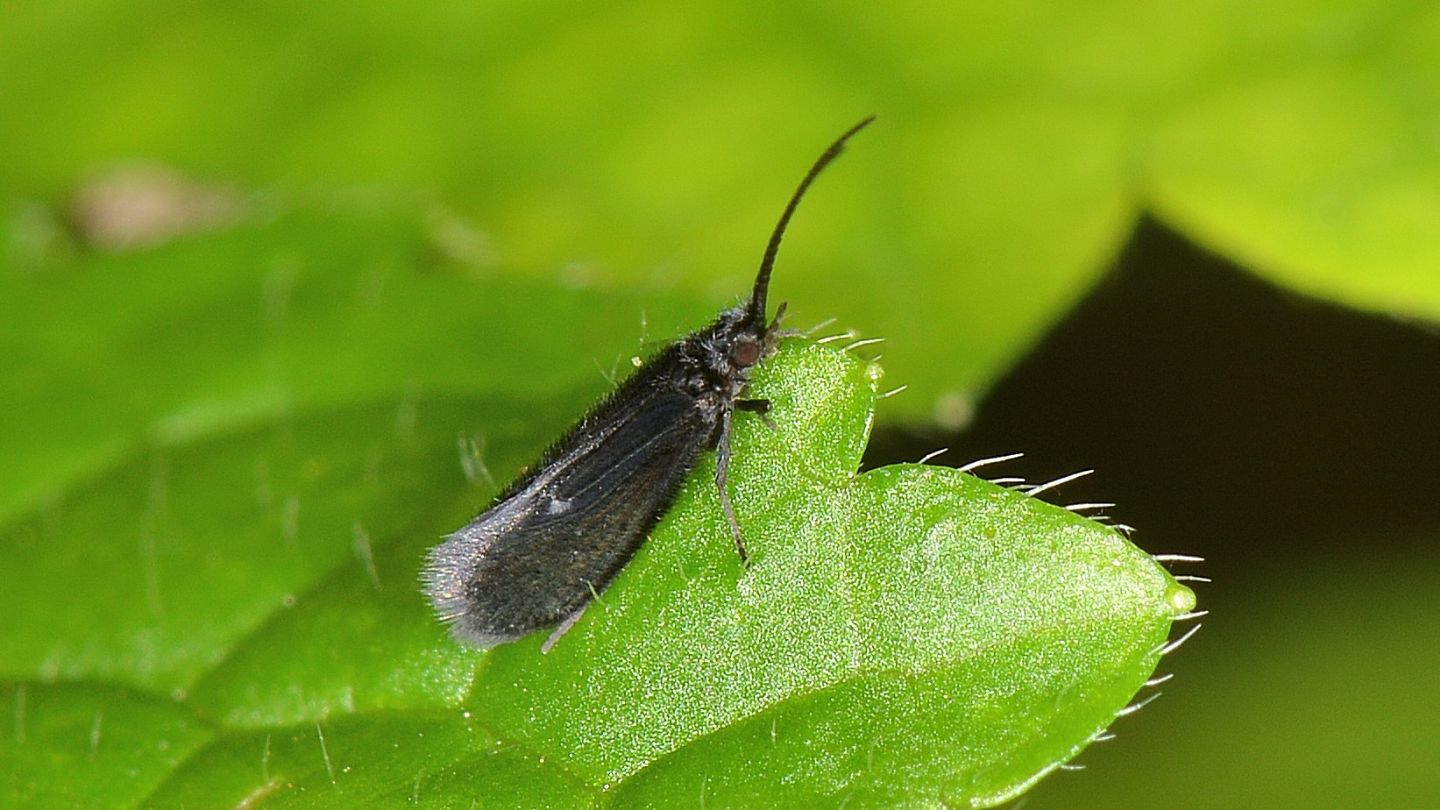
<point>557,536</point>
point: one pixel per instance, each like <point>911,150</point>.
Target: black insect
<point>556,537</point>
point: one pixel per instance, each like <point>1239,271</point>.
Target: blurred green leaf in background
<point>287,289</point>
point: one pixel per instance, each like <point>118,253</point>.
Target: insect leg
<point>722,477</point>
<point>563,628</point>
<point>773,332</point>
<point>759,407</point>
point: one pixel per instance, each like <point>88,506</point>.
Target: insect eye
<point>746,353</point>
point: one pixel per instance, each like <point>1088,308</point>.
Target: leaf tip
<point>1179,598</point>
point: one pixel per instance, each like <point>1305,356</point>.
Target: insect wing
<point>543,551</point>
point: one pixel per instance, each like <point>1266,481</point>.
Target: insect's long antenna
<point>767,263</point>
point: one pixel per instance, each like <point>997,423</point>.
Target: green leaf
<point>1017,143</point>
<point>911,633</point>
<point>251,579</point>
<point>109,356</point>
<point>89,744</point>
<point>1324,177</point>
<point>386,759</point>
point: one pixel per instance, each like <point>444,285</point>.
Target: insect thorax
<point>707,362</point>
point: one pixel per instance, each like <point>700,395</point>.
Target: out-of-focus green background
<point>1194,244</point>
